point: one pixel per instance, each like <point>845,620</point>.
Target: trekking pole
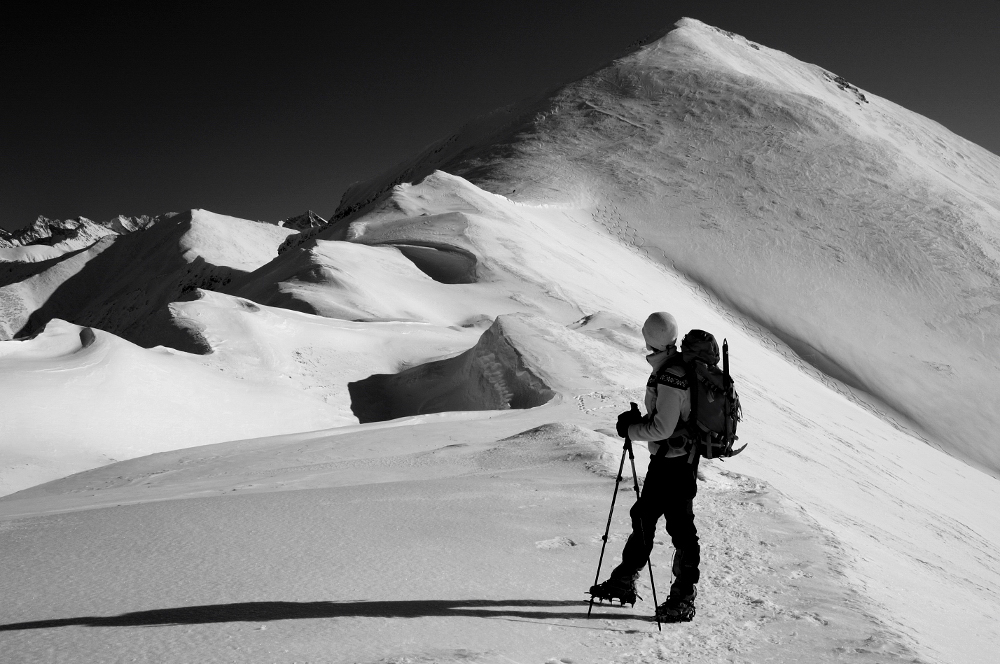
<point>642,532</point>
<point>627,448</point>
<point>607,529</point>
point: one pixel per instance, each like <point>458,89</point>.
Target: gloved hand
<point>627,419</point>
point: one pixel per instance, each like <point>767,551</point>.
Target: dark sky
<point>262,114</point>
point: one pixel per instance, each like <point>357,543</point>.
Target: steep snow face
<point>490,376</point>
<point>122,284</point>
<point>867,237</point>
<point>521,361</point>
<point>25,288</point>
<point>437,245</point>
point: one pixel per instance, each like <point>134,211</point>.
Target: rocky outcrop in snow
<point>304,221</point>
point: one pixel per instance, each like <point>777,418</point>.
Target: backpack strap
<point>665,377</point>
<point>689,381</point>
<point>691,370</point>
<point>692,423</point>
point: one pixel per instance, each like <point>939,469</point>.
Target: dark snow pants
<point>669,491</point>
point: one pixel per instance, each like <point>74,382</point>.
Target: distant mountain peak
<point>76,232</point>
<point>308,219</point>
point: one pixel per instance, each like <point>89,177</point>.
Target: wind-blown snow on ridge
<point>521,361</point>
<point>864,235</point>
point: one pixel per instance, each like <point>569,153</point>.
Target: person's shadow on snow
<point>267,611</point>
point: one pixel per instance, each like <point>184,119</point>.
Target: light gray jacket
<point>668,404</point>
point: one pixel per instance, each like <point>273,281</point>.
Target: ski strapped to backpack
<point>715,405</point>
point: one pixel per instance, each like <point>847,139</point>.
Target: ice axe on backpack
<point>728,381</point>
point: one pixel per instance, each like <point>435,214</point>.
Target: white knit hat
<point>660,330</point>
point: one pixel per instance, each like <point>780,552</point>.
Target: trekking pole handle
<point>634,410</point>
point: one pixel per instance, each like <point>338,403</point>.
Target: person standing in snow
<point>670,485</point>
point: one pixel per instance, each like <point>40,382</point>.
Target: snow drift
<point>437,245</point>
<point>74,397</point>
<point>353,282</point>
<point>492,375</point>
<point>521,361</point>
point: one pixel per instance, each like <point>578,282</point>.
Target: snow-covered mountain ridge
<point>806,204</point>
<point>46,238</point>
<point>123,283</point>
<point>577,294</point>
<point>76,233</point>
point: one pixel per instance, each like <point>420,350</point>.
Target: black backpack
<point>715,405</point>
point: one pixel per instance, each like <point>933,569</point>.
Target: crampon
<point>612,590</point>
<point>676,609</point>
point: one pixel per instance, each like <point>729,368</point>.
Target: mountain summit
<point>863,235</point>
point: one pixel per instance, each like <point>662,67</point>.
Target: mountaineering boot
<point>677,608</point>
<point>612,589</point>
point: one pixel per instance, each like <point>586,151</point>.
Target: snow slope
<point>856,539</point>
<point>395,549</point>
<point>75,398</point>
<point>445,536</point>
<point>864,235</point>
